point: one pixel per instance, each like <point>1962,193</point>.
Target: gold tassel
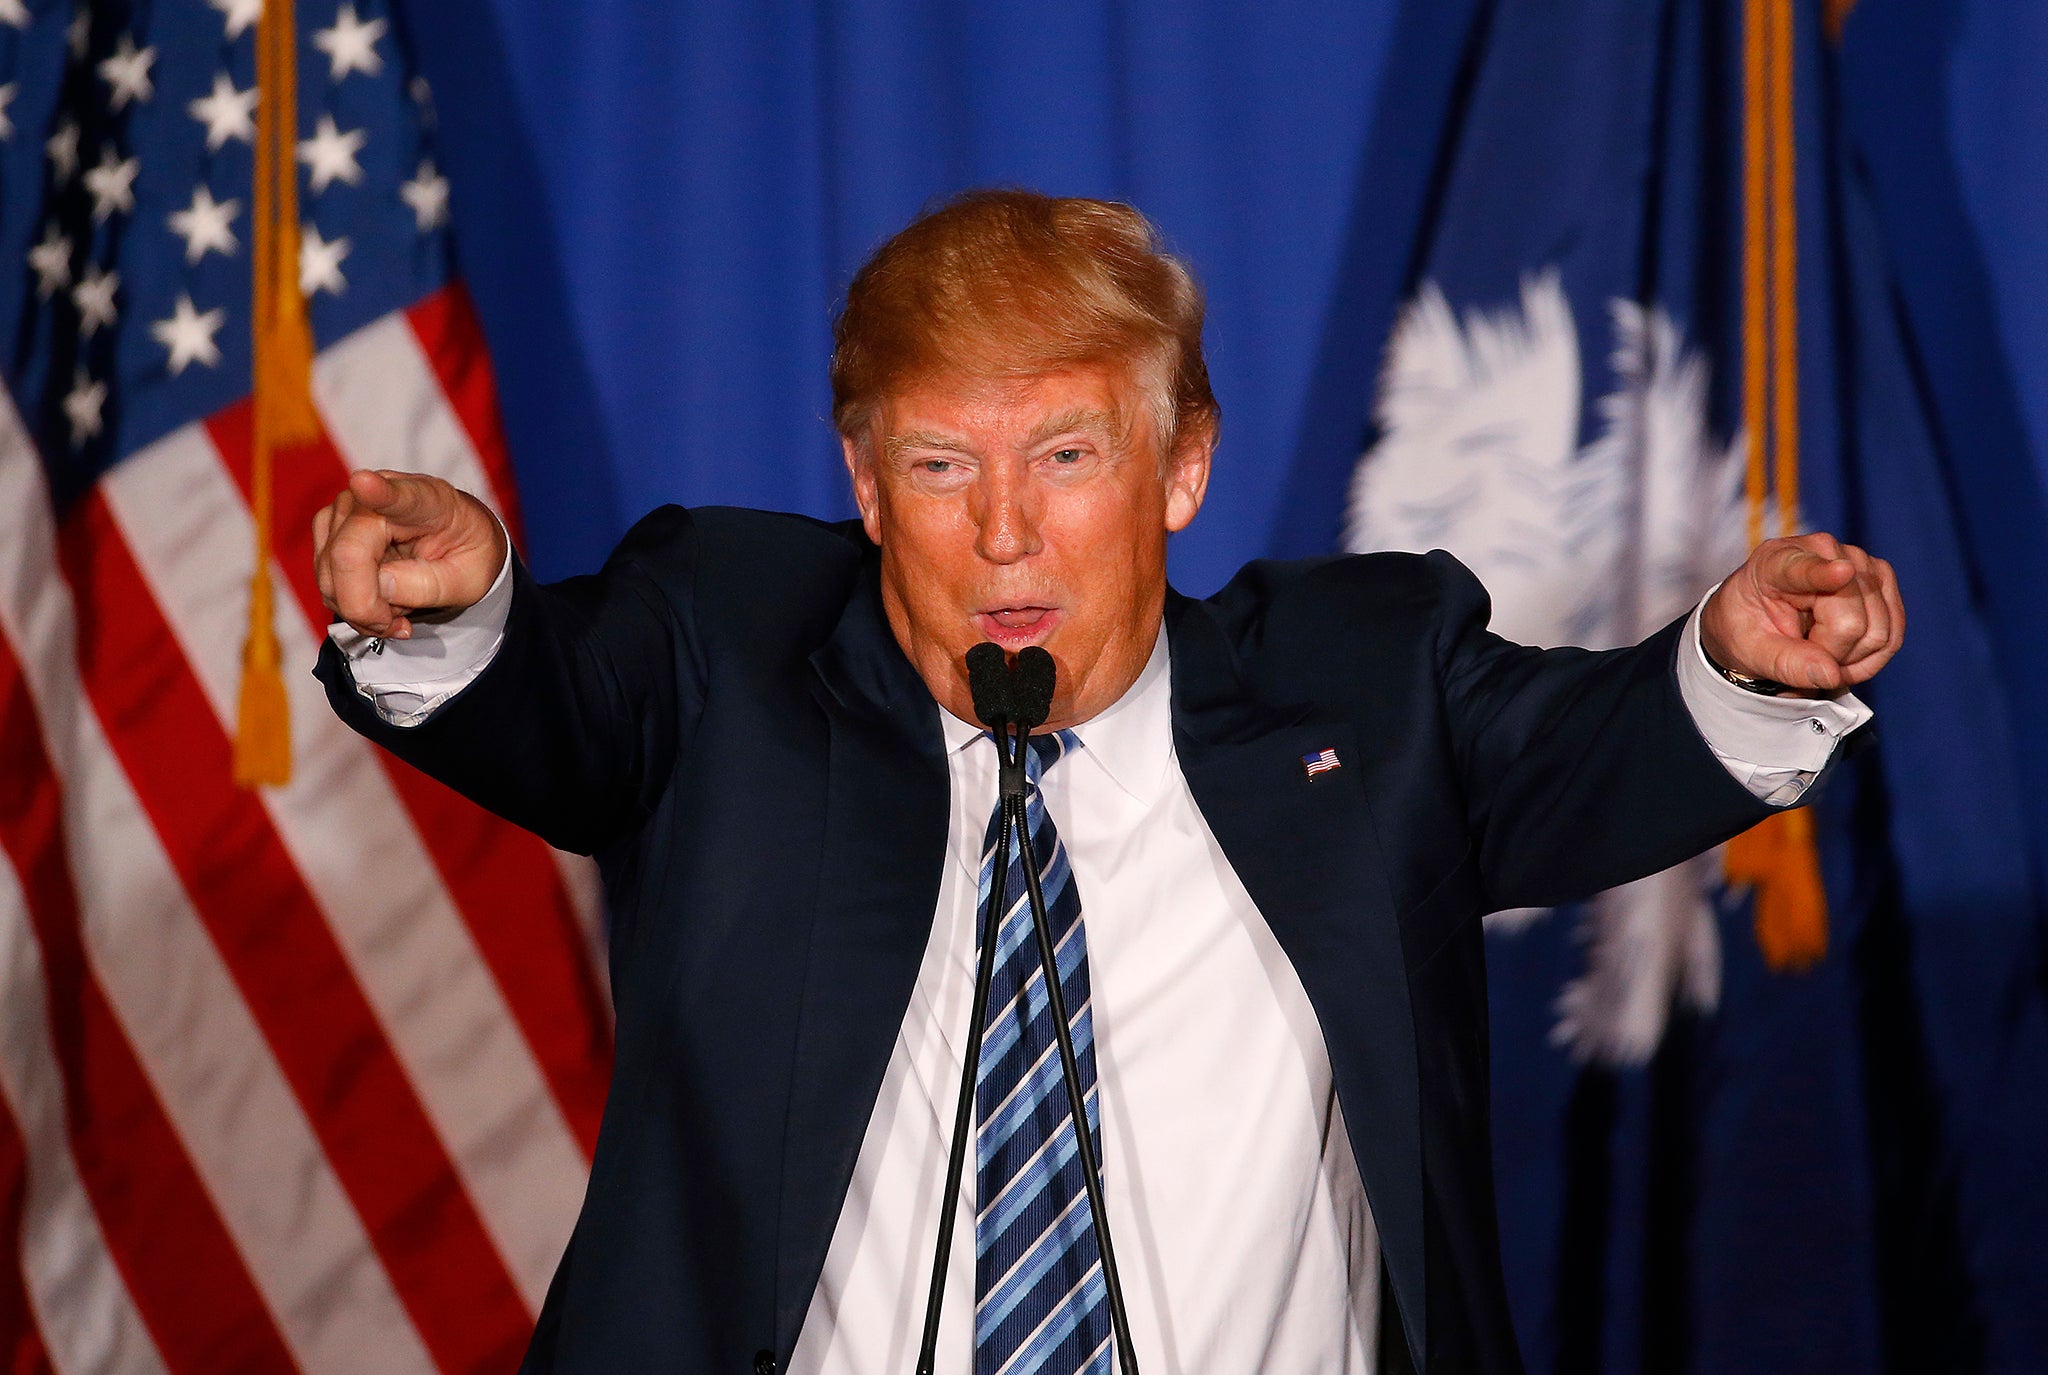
<point>263,741</point>
<point>282,381</point>
<point>1778,861</point>
<point>1777,858</point>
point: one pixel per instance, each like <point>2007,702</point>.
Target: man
<point>1282,811</point>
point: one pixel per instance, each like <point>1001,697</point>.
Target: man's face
<point>1026,512</point>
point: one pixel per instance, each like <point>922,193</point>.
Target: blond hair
<point>1009,283</point>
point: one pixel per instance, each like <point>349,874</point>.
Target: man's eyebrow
<point>923,439</point>
<point>1078,418</point>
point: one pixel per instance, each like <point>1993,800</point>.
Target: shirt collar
<point>1132,738</point>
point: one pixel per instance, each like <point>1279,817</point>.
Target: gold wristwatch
<point>1762,687</point>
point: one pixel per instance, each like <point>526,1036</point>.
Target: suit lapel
<point>1307,849</point>
<point>872,919</point>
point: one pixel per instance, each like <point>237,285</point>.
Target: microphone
<point>993,686</point>
<point>1031,684</point>
<point>1007,696</point>
<point>1018,698</point>
<point>988,683</point>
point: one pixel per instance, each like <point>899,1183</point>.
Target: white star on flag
<point>127,73</point>
<point>331,154</point>
<point>320,263</point>
<point>112,184</point>
<point>14,14</point>
<point>82,407</point>
<point>427,194</point>
<point>226,112</point>
<point>239,14</point>
<point>7,95</point>
<point>78,34</point>
<point>188,334</point>
<point>205,225</point>
<point>62,147</point>
<point>51,260</point>
<point>351,45</point>
<point>94,297</point>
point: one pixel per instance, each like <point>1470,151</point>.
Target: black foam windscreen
<point>988,683</point>
<point>1031,687</point>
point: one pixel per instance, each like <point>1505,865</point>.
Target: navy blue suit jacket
<point>724,718</point>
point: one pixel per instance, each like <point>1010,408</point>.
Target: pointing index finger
<point>1801,572</point>
<point>401,498</point>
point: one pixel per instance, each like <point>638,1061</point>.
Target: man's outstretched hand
<point>396,543</point>
<point>1811,612</point>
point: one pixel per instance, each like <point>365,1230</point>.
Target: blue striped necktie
<point>1040,1300</point>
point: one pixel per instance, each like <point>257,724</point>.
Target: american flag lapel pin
<point>1321,762</point>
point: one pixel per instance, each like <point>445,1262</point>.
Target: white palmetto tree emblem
<point>1596,545</point>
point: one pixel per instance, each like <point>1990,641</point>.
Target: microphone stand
<point>970,1066</point>
<point>1011,790</point>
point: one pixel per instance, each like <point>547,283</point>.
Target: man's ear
<point>866,496</point>
<point>1187,476</point>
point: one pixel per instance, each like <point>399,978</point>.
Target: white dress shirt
<point>1243,1233</point>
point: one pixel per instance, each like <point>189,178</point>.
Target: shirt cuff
<point>1773,746</point>
<point>407,680</point>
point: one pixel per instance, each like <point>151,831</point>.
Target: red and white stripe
<point>298,1079</point>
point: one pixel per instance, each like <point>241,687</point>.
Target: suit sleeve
<point>1580,769</point>
<point>573,728</point>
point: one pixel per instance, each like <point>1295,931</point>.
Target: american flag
<point>302,1078</point>
<point>1322,761</point>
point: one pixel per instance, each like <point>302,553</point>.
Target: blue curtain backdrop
<point>659,204</point>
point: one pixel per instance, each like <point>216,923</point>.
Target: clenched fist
<point>398,543</point>
<point>1812,613</point>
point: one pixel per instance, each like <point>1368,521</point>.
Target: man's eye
<point>936,465</point>
<point>1067,456</point>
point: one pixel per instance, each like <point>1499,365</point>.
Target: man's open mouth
<point>1016,626</point>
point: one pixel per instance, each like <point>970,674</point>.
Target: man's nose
<point>1008,519</point>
